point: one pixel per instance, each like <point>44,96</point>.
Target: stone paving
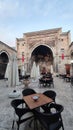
<point>64,96</point>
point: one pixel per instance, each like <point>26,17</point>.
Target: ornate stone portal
<point>48,47</point>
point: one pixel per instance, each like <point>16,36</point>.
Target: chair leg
<point>62,123</point>
<point>13,124</point>
<point>35,124</point>
<point>17,126</point>
<point>62,126</point>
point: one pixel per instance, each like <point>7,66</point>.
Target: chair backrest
<point>50,93</point>
<point>17,105</point>
<point>47,119</point>
<point>16,102</point>
<point>28,91</point>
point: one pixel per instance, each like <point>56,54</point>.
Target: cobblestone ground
<point>64,96</point>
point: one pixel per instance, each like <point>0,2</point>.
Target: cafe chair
<point>46,82</point>
<point>28,91</point>
<point>51,94</point>
<point>51,120</point>
<point>51,82</point>
<point>41,82</point>
<point>20,114</point>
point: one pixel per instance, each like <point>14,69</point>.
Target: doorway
<point>43,56</point>
<point>3,64</point>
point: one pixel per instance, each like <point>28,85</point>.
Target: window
<point>22,44</point>
<point>62,50</point>
<point>22,53</point>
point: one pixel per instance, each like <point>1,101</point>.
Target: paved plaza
<point>64,96</point>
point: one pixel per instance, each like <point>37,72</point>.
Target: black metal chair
<point>25,92</point>
<point>28,91</point>
<point>50,82</point>
<point>20,112</point>
<point>41,82</point>
<point>52,119</point>
<point>51,94</point>
<point>46,80</point>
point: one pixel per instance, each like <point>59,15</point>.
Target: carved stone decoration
<point>51,43</point>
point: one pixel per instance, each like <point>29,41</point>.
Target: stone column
<point>56,55</point>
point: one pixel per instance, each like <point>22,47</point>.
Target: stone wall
<point>8,50</point>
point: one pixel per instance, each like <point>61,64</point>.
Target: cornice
<point>19,39</point>
<point>42,32</point>
<point>64,33</point>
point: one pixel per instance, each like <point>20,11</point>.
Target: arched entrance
<point>3,64</point>
<point>43,56</point>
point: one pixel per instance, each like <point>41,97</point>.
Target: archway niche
<point>3,64</point>
<point>43,56</point>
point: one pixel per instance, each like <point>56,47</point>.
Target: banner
<point>62,56</point>
<point>22,58</point>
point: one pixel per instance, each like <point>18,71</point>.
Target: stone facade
<point>7,49</point>
<point>54,39</point>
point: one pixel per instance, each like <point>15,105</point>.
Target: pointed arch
<point>42,55</point>
<point>4,59</point>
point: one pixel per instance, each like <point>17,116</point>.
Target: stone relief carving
<point>50,43</point>
<point>45,42</point>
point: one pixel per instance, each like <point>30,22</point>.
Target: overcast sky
<point>21,16</point>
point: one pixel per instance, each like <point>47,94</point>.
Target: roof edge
<point>37,32</point>
<point>7,46</point>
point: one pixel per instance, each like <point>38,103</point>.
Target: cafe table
<point>42,100</point>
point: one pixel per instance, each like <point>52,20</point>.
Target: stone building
<point>47,48</point>
<point>6,55</point>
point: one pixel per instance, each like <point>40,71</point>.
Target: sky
<point>21,16</point>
